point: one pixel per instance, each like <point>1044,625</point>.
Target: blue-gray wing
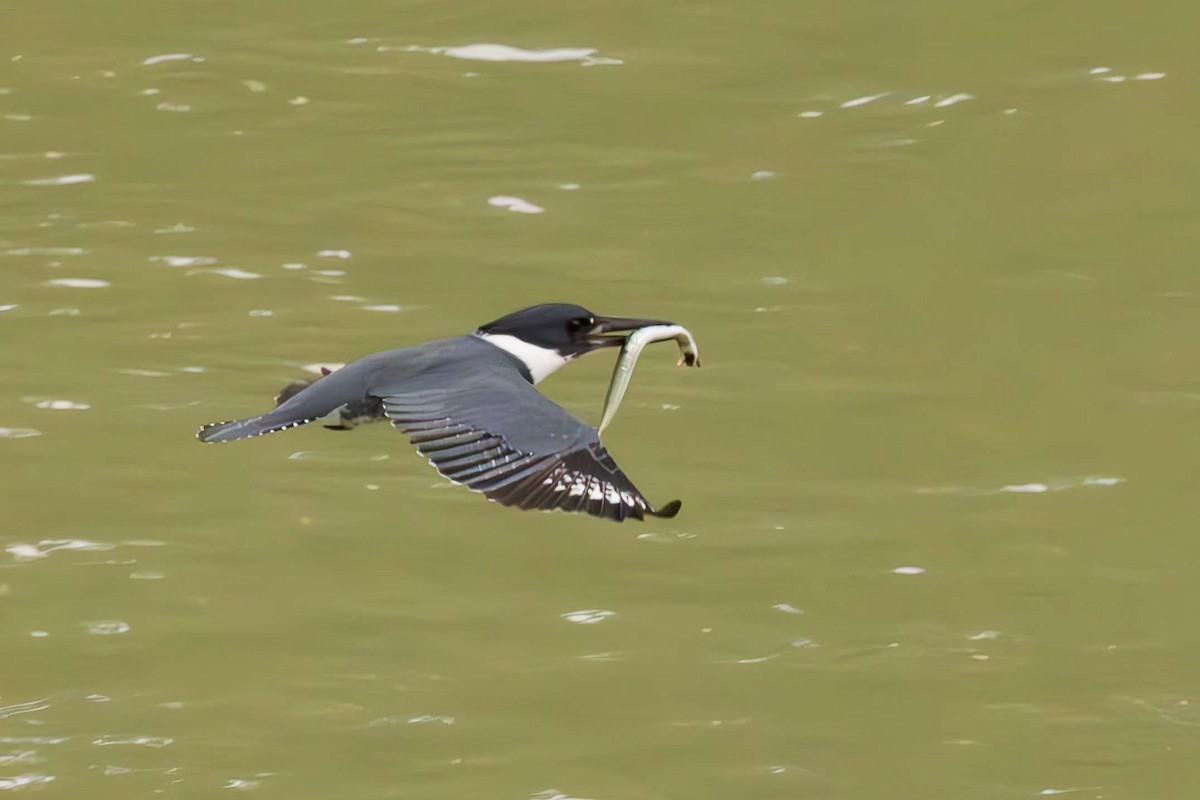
<point>496,434</point>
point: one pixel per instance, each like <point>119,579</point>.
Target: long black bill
<point>606,325</point>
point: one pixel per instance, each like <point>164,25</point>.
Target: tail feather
<point>215,432</point>
<point>298,404</point>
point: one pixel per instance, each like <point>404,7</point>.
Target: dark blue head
<point>567,329</point>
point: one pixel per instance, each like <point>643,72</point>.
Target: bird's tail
<point>300,407</point>
<point>245,428</point>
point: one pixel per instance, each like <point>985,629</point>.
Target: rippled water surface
<point>939,472</point>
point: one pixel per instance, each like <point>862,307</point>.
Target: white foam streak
<point>862,101</point>
<point>234,272</point>
<point>184,261</point>
<point>19,433</point>
<point>504,52</point>
<point>165,57</point>
<point>79,283</point>
<point>953,99</point>
<point>61,180</point>
<point>588,616</point>
<point>62,405</point>
<point>27,551</point>
<point>515,204</point>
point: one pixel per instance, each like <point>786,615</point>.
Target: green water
<point>952,336</point>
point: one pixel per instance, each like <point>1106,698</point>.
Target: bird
<point>469,406</point>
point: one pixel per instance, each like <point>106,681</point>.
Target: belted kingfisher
<point>469,406</point>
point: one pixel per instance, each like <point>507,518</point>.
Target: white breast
<point>540,361</point>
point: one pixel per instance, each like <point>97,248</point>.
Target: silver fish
<point>623,371</point>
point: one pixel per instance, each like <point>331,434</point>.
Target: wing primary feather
<point>458,451</point>
<point>432,444</point>
<point>442,432</point>
<point>533,491</point>
<point>668,511</point>
<point>421,426</point>
<point>491,453</point>
<point>508,473</point>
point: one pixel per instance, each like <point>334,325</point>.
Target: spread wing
<point>498,435</point>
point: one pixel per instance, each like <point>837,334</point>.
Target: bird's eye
<point>581,322</point>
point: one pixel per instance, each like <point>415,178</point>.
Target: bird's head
<point>547,336</point>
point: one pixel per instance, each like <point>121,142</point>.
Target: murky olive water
<point>938,472</point>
